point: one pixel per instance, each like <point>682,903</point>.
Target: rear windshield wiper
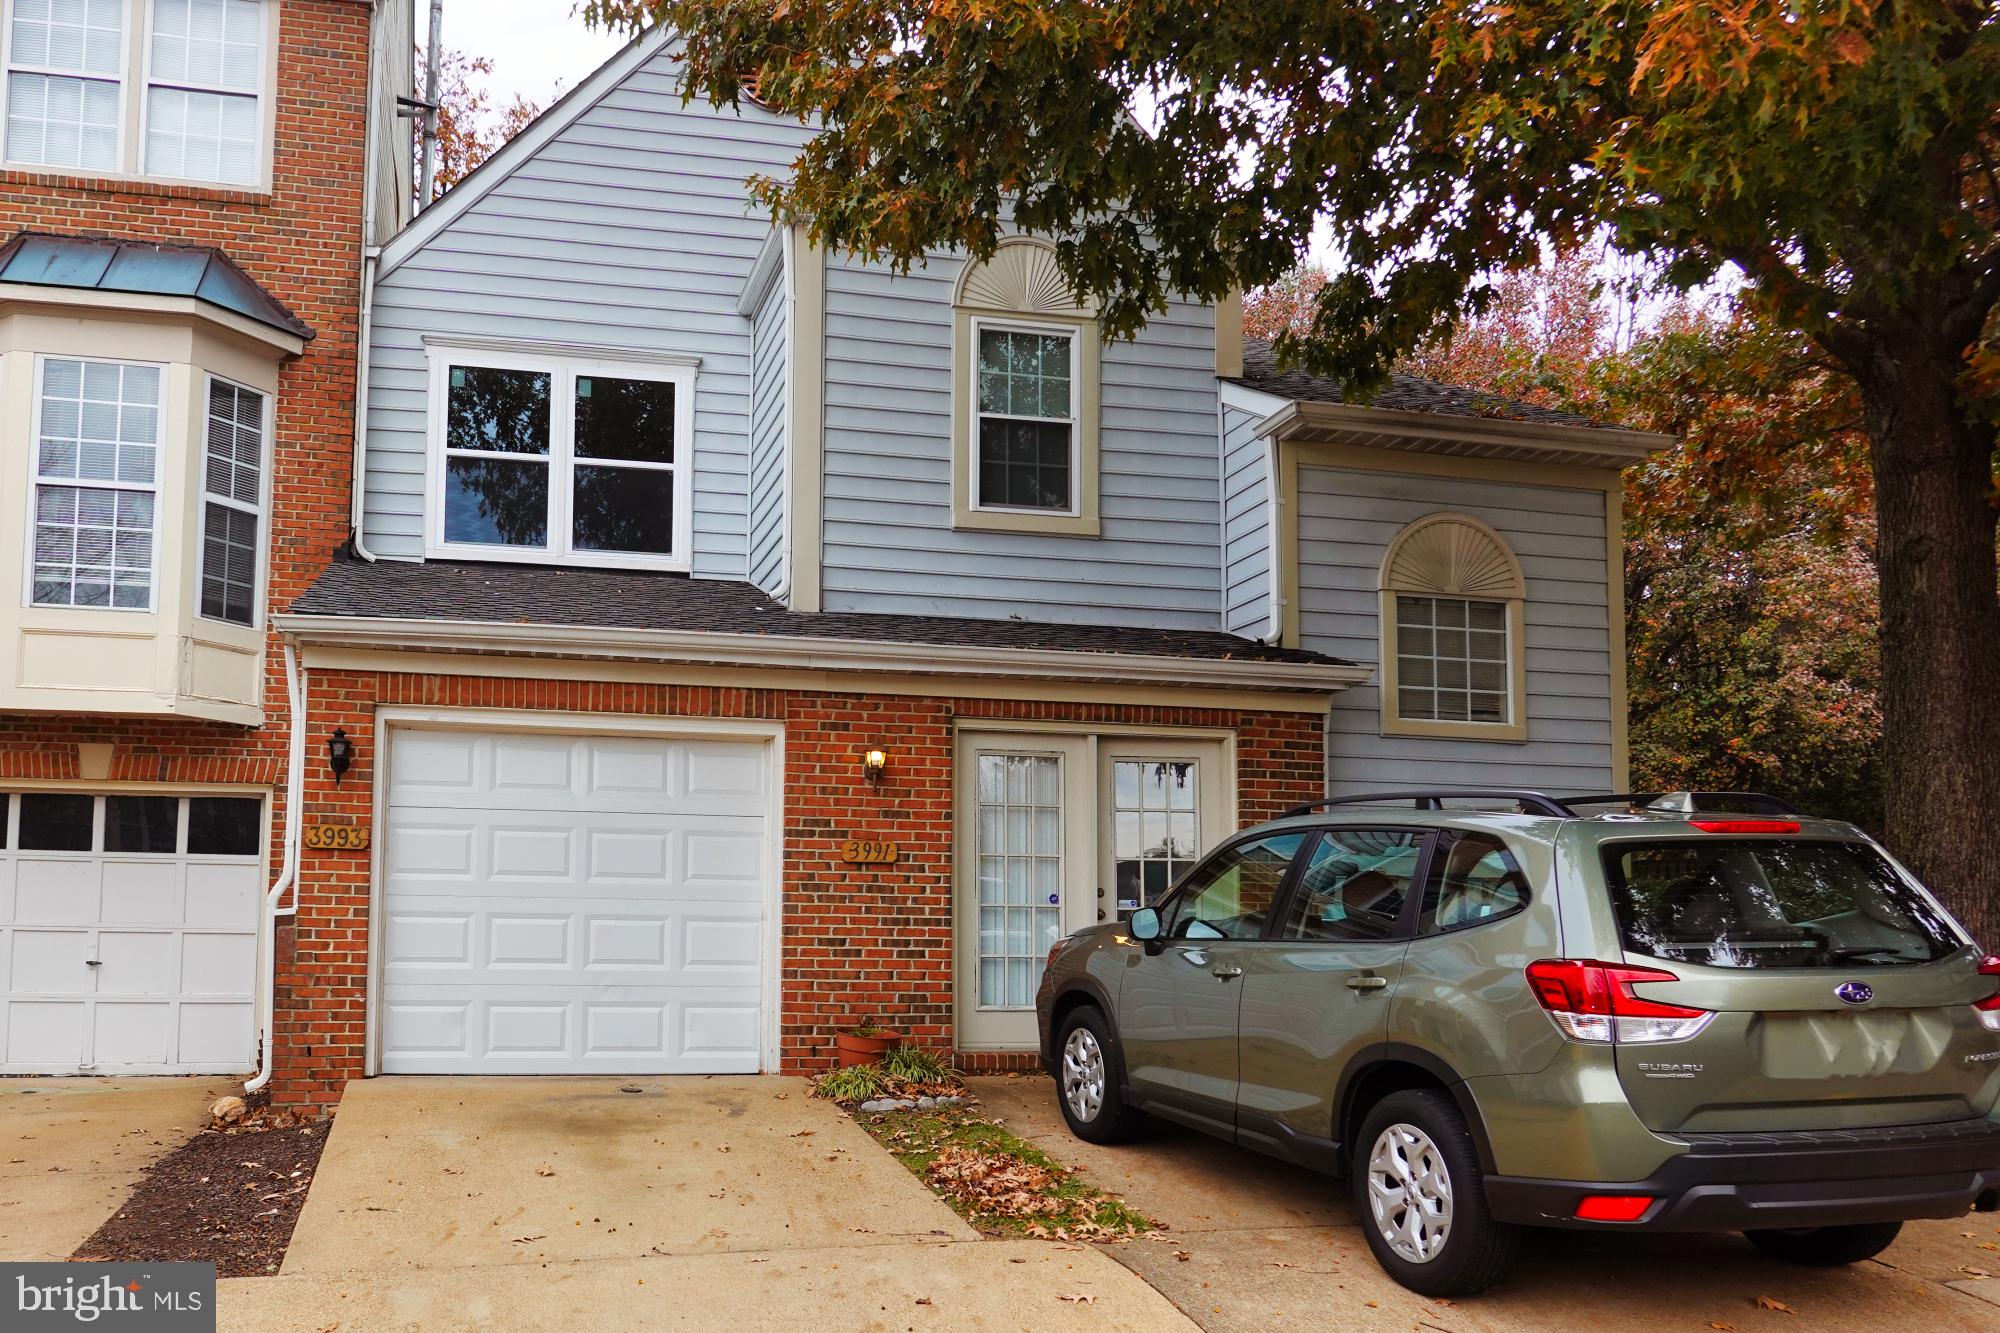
<point>1845,955</point>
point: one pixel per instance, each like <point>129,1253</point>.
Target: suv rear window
<point>1770,903</point>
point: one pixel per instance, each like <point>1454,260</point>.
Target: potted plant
<point>864,1043</point>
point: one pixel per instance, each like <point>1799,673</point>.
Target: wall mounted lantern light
<point>339,753</point>
<point>872,765</point>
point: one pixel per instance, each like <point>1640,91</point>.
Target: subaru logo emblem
<point>1855,992</point>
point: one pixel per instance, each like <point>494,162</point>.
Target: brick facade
<point>857,941</point>
<point>302,242</point>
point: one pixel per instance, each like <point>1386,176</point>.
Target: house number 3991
<point>336,837</point>
<point>869,852</point>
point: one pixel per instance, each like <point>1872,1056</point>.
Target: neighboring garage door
<point>128,933</point>
<point>573,904</point>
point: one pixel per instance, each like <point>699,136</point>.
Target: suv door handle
<point>1227,973</point>
<point>1367,982</point>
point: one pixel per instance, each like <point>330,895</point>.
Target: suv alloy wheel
<point>1420,1196</point>
<point>1088,1080</point>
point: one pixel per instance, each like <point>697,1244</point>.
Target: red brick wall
<point>302,241</point>
<point>857,941</point>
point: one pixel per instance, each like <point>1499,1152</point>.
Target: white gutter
<point>801,652</point>
<point>288,874</point>
<point>357,503</point>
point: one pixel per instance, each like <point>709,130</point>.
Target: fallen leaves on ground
<point>1772,1303</point>
<point>545,1170</point>
<point>1079,1298</point>
<point>994,1185</point>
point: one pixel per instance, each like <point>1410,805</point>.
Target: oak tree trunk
<point>1940,625</point>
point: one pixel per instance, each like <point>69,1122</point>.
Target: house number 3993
<point>869,852</point>
<point>336,837</point>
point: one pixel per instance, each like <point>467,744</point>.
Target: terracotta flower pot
<point>850,1049</point>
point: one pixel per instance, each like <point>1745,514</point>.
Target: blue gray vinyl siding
<point>1347,519</point>
<point>769,336</point>
<point>1246,526</point>
<point>631,229</point>
<point>889,541</point>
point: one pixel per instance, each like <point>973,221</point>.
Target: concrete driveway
<point>557,1203</point>
<point>71,1149</point>
<point>1266,1244</point>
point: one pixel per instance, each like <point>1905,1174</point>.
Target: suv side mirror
<point>1144,925</point>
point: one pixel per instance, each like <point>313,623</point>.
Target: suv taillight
<point>1988,1009</point>
<point>1593,1002</point>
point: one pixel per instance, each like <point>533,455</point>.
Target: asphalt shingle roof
<point>1403,393</point>
<point>616,599</point>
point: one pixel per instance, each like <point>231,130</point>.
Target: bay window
<point>549,458</point>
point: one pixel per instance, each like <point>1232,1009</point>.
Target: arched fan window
<point>1453,601</point>
<point>1024,396</point>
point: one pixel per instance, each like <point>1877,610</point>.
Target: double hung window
<point>96,483</point>
<point>167,88</point>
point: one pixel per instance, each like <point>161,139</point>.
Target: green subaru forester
<point>1696,1012</point>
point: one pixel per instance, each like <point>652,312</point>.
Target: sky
<point>538,48</point>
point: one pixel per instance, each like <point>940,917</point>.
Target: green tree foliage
<point>1839,152</point>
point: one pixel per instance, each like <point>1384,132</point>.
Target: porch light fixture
<point>339,753</point>
<point>872,765</point>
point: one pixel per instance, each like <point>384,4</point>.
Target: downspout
<point>288,874</point>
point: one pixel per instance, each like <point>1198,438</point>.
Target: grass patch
<point>998,1181</point>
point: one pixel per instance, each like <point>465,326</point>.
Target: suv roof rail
<point>1695,802</point>
<point>1531,802</point>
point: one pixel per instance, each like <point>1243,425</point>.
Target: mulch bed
<point>226,1198</point>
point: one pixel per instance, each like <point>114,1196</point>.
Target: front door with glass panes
<point>1049,827</point>
<point>1164,804</point>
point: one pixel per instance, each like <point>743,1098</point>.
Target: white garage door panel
<point>574,905</point>
<point>125,963</point>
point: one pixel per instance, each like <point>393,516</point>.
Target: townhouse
<point>730,642</point>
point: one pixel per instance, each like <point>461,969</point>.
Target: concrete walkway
<point>1255,1244</point>
<point>693,1202</point>
<point>71,1149</point>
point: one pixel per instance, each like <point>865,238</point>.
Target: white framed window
<point>204,80</point>
<point>232,509</point>
<point>173,89</point>
<point>96,483</point>
<point>560,459</point>
<point>1024,427</point>
<point>66,63</point>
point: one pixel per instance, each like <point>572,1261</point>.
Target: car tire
<point>1469,1251</point>
<point>1827,1247</point>
<point>1090,1079</point>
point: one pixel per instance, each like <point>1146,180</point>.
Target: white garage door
<point>128,933</point>
<point>573,904</point>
